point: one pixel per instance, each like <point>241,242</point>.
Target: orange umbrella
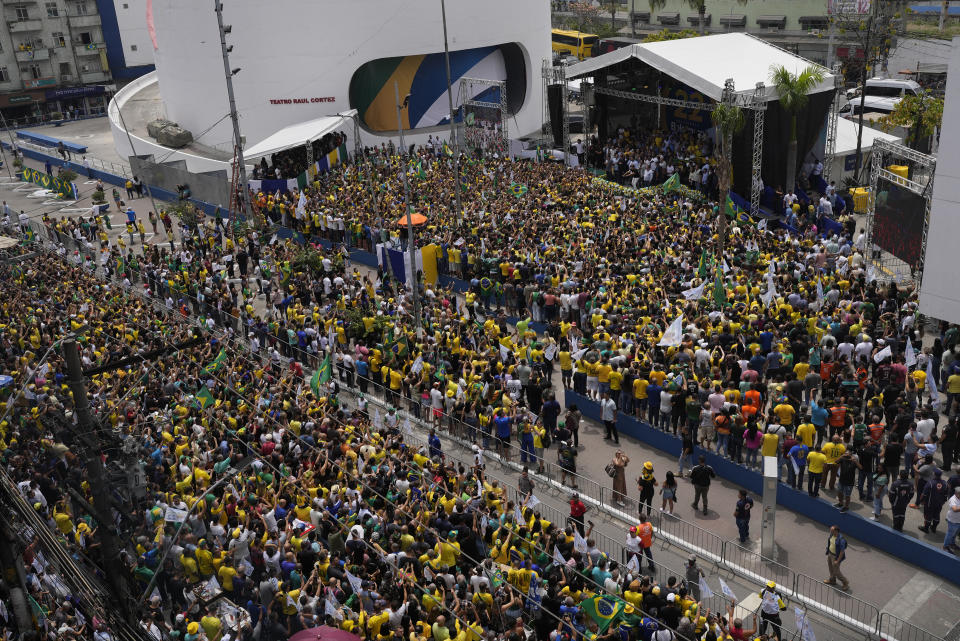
<point>418,219</point>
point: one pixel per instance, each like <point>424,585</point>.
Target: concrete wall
<point>214,189</point>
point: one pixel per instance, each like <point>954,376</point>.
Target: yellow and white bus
<point>574,43</point>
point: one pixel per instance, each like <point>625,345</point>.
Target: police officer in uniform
<point>901,492</point>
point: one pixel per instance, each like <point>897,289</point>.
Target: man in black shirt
<point>670,613</point>
<point>700,476</point>
<point>891,454</point>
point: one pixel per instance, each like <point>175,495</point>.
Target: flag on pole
<point>719,293</point>
<point>695,293</point>
<point>724,266</point>
<point>321,376</point>
<point>762,225</point>
<point>726,590</point>
<point>704,265</point>
<point>447,151</point>
<point>302,206</point>
<point>909,356</point>
<point>705,591</point>
<point>216,363</point>
<point>602,609</point>
<point>672,337</point>
<point>557,557</point>
<point>934,393</point>
<point>204,398</point>
<point>421,174</point>
<point>819,290</point>
<point>671,184</point>
<point>886,352</point>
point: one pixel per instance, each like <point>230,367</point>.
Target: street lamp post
<point>453,129</point>
<point>406,198</point>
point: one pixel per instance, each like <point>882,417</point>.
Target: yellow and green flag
<point>602,609</point>
<point>672,184</point>
<point>204,398</point>
<point>216,363</point>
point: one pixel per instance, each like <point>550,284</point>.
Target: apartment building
<point>53,60</point>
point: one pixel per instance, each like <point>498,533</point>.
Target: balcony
<point>89,77</point>
<point>24,26</point>
<point>77,22</point>
<point>92,49</point>
<point>34,55</point>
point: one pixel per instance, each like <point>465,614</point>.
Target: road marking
<point>912,596</point>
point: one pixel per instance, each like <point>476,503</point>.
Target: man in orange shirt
<point>645,532</point>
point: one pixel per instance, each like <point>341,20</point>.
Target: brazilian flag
<point>321,376</point>
<point>602,609</point>
<point>671,184</point>
<point>29,236</point>
<point>517,189</point>
<point>446,149</point>
<point>421,174</point>
<point>204,398</point>
<point>216,363</point>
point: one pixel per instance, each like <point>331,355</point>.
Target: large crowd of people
<point>307,509</point>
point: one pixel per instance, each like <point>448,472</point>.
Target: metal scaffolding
<point>759,108</point>
<point>500,140</point>
<point>551,74</point>
<point>830,148</point>
<point>920,182</point>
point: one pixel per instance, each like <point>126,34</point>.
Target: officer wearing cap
<point>771,604</point>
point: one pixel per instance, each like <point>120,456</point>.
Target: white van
<point>880,94</point>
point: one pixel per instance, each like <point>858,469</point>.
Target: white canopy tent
<point>298,134</point>
<point>846,147</point>
<point>706,62</point>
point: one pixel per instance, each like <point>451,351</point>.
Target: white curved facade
<point>298,59</point>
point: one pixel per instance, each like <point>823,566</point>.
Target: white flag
<point>518,515</point>
<point>329,610</point>
<point>695,293</point>
<point>762,225</point>
<point>533,501</point>
<point>724,266</point>
<point>934,393</point>
<point>886,352</point>
<point>355,584</point>
<point>574,345</point>
<point>577,355</point>
<point>557,557</point>
<point>579,543</point>
<point>806,632</point>
<point>173,515</point>
<point>417,365</point>
<point>302,206</point>
<point>550,352</point>
<point>407,426</point>
<point>819,290</point>
<point>674,333</point>
<point>633,564</point>
<point>909,356</point>
<point>504,352</point>
<point>726,590</point>
<point>705,591</point>
<point>768,296</point>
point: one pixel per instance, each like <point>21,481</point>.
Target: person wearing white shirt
<point>953,521</point>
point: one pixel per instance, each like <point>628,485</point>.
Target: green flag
<point>216,363</point>
<point>602,609</point>
<point>446,149</point>
<point>421,174</point>
<point>517,189</point>
<point>704,265</point>
<point>729,208</point>
<point>322,375</point>
<point>204,398</point>
<point>672,184</point>
<point>719,293</point>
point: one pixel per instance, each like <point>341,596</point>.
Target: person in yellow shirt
<point>785,414</point>
<point>807,431</point>
<point>566,366</point>
<point>640,385</point>
<point>815,464</point>
<point>616,380</point>
<point>833,451</point>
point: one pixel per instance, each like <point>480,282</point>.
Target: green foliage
<point>68,175</point>
<point>309,260</point>
<point>922,114</point>
<point>98,197</point>
<point>793,89</point>
<point>666,34</point>
<point>186,213</point>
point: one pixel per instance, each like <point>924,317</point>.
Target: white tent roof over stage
<point>847,137</point>
<point>704,63</point>
<point>298,134</point>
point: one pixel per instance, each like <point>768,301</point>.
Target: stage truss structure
<point>484,121</point>
<point>830,148</point>
<point>552,74</point>
<point>881,264</point>
<point>753,102</point>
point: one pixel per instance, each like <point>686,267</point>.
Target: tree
<point>922,114</point>
<point>793,91</point>
<point>612,6</point>
<point>666,34</point>
<point>584,14</point>
<point>728,119</point>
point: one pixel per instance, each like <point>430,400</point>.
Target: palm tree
<point>793,90</point>
<point>728,119</point>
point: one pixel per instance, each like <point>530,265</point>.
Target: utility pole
<point>404,165</point>
<point>106,532</point>
<point>237,139</point>
<point>453,127</point>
